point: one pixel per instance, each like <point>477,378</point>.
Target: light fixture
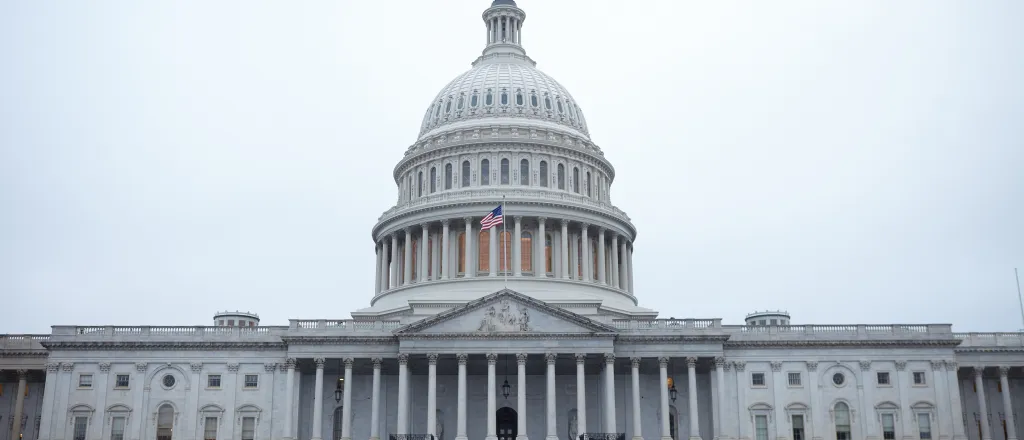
<point>506,389</point>
<point>338,389</point>
<point>672,392</point>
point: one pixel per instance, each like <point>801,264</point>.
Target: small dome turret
<point>236,319</point>
<point>768,317</point>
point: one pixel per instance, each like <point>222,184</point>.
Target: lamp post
<point>338,390</point>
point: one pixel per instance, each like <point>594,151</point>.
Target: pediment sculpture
<point>505,317</point>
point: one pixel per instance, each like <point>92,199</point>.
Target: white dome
<point>504,87</point>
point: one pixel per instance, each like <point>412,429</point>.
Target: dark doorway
<point>508,421</point>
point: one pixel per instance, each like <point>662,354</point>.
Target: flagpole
<point>504,253</point>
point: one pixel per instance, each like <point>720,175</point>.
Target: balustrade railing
<point>22,341</point>
<point>347,325</point>
<point>684,325</point>
<point>602,436</point>
<point>511,192</point>
<point>411,437</point>
<point>996,339</point>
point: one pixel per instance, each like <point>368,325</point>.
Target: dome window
<point>588,184</point>
<point>437,106</point>
<point>561,176</point>
<point>462,102</point>
<point>519,98</point>
<point>474,100</point>
<point>448,176</point>
<point>544,173</point>
<point>576,180</point>
<point>433,178</point>
<point>504,98</point>
<point>465,173</point>
<point>547,103</point>
<point>504,171</point>
<point>533,99</point>
<point>524,172</point>
<point>448,106</point>
<point>559,102</point>
<point>489,99</point>
<point>485,172</point>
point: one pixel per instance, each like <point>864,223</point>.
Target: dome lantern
<point>504,23</point>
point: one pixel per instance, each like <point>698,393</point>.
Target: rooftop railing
<point>73,332</point>
<point>990,339</point>
<point>513,193</point>
<point>343,325</point>
<point>22,342</point>
<point>715,325</point>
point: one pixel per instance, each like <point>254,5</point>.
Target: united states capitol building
<point>531,331</point>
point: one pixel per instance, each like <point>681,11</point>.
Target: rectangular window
<point>121,381</point>
<point>924,426</point>
<point>252,380</point>
<point>210,429</point>
<point>888,427</point>
<point>757,379</point>
<point>761,427</point>
<point>248,428</point>
<point>81,423</point>
<point>213,381</point>
<point>85,381</point>
<point>798,427</point>
<point>794,379</point>
<point>882,377</point>
<point>919,378</point>
<point>117,428</point>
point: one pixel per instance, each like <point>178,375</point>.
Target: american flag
<point>492,219</point>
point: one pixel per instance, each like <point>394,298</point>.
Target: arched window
<point>526,252</point>
<point>548,266</point>
<point>533,99</point>
<point>462,102</point>
<point>576,180</point>
<point>485,172</point>
<point>465,173</point>
<point>448,106</point>
<point>505,247</point>
<point>547,103</point>
<point>559,102</point>
<point>588,184</point>
<point>462,253</point>
<point>561,176</point>
<point>483,262</point>
<point>842,421</point>
<point>474,100</point>
<point>419,184</point>
<point>519,97</point>
<point>489,98</point>
<point>544,173</point>
<point>504,171</point>
<point>524,172</point>
<point>433,179</point>
<point>448,176</point>
<point>409,189</point>
<point>339,421</point>
<point>504,98</point>
<point>164,422</point>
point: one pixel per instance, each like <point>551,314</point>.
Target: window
<point>81,423</point>
<point>533,100</point>
<point>519,98</point>
<point>248,428</point>
<point>524,172</point>
<point>485,172</point>
<point>794,379</point>
<point>85,381</point>
<point>168,381</point>
<point>526,252</point>
<point>448,176</point>
<point>117,428</point>
<point>888,426</point>
<point>483,262</point>
<point>474,100</point>
<point>882,377</point>
<point>544,173</point>
<point>576,180</point>
<point>465,173</point>
<point>504,171</point>
<point>919,378</point>
<point>588,184</point>
<point>547,103</point>
<point>838,379</point>
<point>489,98</point>
<point>761,427</point>
<point>121,381</point>
<point>561,176</point>
<point>213,381</point>
<point>462,253</point>
<point>433,179</point>
<point>548,267</point>
<point>559,103</point>
<point>164,422</point>
<point>339,422</point>
<point>461,104</point>
<point>757,379</point>
<point>419,184</point>
<point>774,322</point>
<point>231,323</point>
<point>252,380</point>
<point>210,428</point>
<point>504,98</point>
<point>841,415</point>
<point>448,105</point>
<point>924,426</point>
<point>798,424</point>
<point>220,322</point>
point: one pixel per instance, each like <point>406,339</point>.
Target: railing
<point>167,331</point>
<point>22,341</point>
<point>990,339</point>
<point>603,436</point>
<point>411,437</point>
<point>345,325</point>
<point>686,325</point>
<point>667,324</point>
<point>461,195</point>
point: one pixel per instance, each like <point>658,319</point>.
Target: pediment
<point>506,312</point>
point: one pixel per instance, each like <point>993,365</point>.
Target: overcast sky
<point>850,162</point>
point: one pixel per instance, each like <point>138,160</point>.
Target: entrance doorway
<point>508,421</point>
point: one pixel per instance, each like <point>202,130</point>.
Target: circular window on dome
<point>838,379</point>
<point>168,381</point>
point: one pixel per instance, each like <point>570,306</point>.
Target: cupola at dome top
<point>504,22</point>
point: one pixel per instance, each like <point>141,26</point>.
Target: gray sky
<point>851,162</point>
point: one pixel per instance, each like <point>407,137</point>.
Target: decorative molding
<point>900,365</point>
<point>719,362</point>
<point>269,367</point>
<point>197,367</point>
<point>104,367</point>
<point>52,367</point>
<point>233,367</point>
<point>141,367</point>
<point>609,358</point>
<point>348,362</point>
<point>521,358</point>
<point>165,346</point>
<point>432,358</point>
<point>867,343</point>
<point>951,365</point>
<point>492,358</point>
<point>936,365</point>
<point>403,359</point>
<point>811,365</point>
<point>377,362</point>
<point>663,361</point>
<point>776,366</point>
<point>463,358</point>
<point>691,362</point>
<point>580,358</point>
<point>740,366</point>
<point>634,362</point>
<point>67,366</point>
<point>866,365</point>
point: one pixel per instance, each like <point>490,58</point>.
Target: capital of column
<point>812,365</point>
<point>866,365</point>
<point>425,226</point>
<point>635,362</point>
<point>320,363</point>
<point>348,362</point>
<point>408,230</point>
<point>234,366</point>
<point>289,363</point>
<point>23,374</point>
<point>463,358</point>
<point>936,365</point>
<point>105,367</point>
<point>565,222</point>
<point>1003,371</point>
<point>691,362</point>
<point>432,358</point>
<point>740,365</point>
<point>776,366</point>
<point>580,358</point>
<point>521,358</point>
<point>951,366</point>
<point>139,366</point>
<point>719,362</point>
<point>269,367</point>
<point>542,220</point>
<point>445,222</point>
<point>492,358</point>
<point>978,371</point>
<point>609,358</point>
<point>601,230</point>
<point>377,362</point>
<point>900,365</point>
<point>52,367</point>
<point>468,220</point>
<point>550,358</point>
<point>518,218</point>
<point>663,361</point>
<point>403,359</point>
<point>584,226</point>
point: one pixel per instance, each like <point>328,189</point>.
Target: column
<point>375,400</point>
<point>565,251</point>
<point>445,244</point>
<point>624,268</point>
<point>521,396</point>
<point>407,258</point>
<point>666,432</point>
<point>488,32</point>
<point>986,431</point>
<point>346,402</point>
<point>601,275</point>
<point>691,378</point>
<point>722,409</point>
<point>637,421</point>
<point>540,267</point>
<point>615,262</point>
<point>376,279</point>
<point>813,421</point>
<point>778,398</point>
<point>432,394</point>
<point>424,256</point>
<point>403,394</point>
<point>460,423</point>
<point>470,251</point>
<point>552,418</point>
<point>19,403</point>
<point>630,256</point>
<point>581,393</point>
<point>1011,424</point>
<point>953,385</point>
<point>492,237</point>
<point>492,359</point>
<point>609,392</point>
<point>586,261</point>
<point>865,392</point>
<point>435,255</point>
<point>517,247</point>
<point>318,400</point>
<point>394,261</point>
<point>289,393</point>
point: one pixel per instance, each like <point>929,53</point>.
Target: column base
<point>460,437</point>
<point>666,438</point>
<point>696,437</point>
<point>491,437</point>
<point>637,437</point>
<point>552,437</point>
<point>522,437</point>
<point>374,438</point>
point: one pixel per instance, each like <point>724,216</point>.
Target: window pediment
<point>761,409</point>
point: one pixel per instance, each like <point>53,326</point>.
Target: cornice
<point>462,336</point>
<point>23,353</point>
<point>867,343</point>
<point>989,350</point>
<point>163,345</point>
<point>335,340</point>
<point>473,146</point>
<point>644,338</point>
